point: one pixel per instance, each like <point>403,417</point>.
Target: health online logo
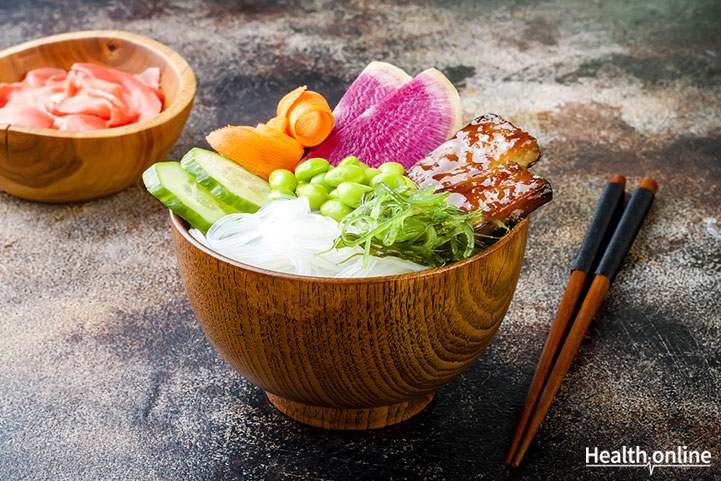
<point>635,457</point>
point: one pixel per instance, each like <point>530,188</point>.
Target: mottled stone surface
<point>105,373</point>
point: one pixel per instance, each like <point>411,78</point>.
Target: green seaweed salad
<point>418,225</point>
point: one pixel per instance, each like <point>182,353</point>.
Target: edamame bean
<point>282,179</point>
<point>316,194</point>
<point>391,180</point>
<point>370,172</point>
<point>320,180</point>
<point>392,168</point>
<point>411,185</point>
<point>350,160</point>
<point>335,209</point>
<point>333,194</point>
<point>351,193</point>
<point>310,168</point>
<point>281,194</point>
<point>345,173</point>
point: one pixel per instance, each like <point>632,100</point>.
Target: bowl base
<point>347,418</point>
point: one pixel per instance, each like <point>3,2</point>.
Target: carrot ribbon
<point>304,120</point>
<point>310,119</point>
<point>260,149</point>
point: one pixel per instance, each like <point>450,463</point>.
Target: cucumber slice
<point>226,180</point>
<point>177,189</point>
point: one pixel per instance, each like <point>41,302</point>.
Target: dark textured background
<point>105,373</point>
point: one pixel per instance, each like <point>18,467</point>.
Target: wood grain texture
<point>58,166</point>
<point>350,353</point>
<point>349,418</point>
<point>570,300</point>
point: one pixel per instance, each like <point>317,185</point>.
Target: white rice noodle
<point>286,236</point>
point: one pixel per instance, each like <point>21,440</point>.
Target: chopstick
<point>619,245</point>
<point>611,201</point>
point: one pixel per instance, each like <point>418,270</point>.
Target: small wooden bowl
<point>350,353</point>
<point>57,166</point>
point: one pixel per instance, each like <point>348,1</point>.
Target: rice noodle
<point>286,236</point>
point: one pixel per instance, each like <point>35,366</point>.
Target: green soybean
<point>392,168</point>
<point>391,180</point>
<point>281,193</point>
<point>411,185</point>
<point>316,194</point>
<point>370,172</point>
<point>333,194</point>
<point>350,160</point>
<point>320,180</point>
<point>351,193</point>
<point>282,179</point>
<point>345,173</point>
<point>308,169</point>
<point>335,209</point>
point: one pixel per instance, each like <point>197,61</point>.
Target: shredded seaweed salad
<point>416,225</point>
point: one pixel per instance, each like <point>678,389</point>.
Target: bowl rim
<point>178,225</point>
<point>187,87</point>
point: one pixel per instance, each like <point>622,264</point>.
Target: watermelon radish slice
<point>404,127</point>
<point>375,82</point>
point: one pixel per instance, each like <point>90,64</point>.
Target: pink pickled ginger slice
<point>41,76</point>
<point>138,95</point>
<point>88,97</point>
<point>150,77</point>
<point>24,115</point>
<point>80,122</point>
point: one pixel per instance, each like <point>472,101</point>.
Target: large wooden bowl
<point>350,353</point>
<point>56,166</point>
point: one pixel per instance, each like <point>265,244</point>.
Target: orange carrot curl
<point>304,120</point>
<point>261,150</point>
<point>278,123</point>
<point>310,119</point>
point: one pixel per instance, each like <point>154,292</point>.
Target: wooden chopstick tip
<point>650,184</point>
<point>618,179</point>
<point>570,299</point>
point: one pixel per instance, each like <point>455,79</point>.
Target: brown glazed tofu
<point>508,192</point>
<point>485,164</point>
<point>487,141</point>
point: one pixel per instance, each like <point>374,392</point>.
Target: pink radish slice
<point>404,127</point>
<point>375,82</point>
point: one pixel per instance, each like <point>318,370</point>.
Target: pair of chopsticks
<point>605,224</point>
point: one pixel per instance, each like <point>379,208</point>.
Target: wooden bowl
<point>350,353</point>
<point>57,166</point>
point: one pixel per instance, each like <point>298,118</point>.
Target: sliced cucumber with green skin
<point>177,189</point>
<point>226,180</point>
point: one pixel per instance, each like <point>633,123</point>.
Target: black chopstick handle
<point>608,204</point>
<point>629,225</point>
